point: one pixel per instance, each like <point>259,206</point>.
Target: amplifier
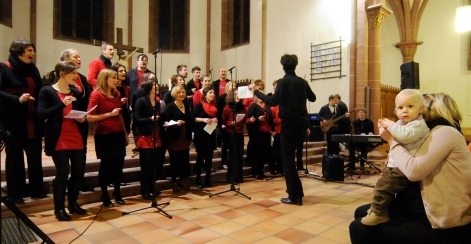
<point>332,167</point>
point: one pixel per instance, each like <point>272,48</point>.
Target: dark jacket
<point>51,108</point>
<point>290,94</point>
<point>172,112</point>
<point>83,98</point>
<point>13,83</point>
<point>132,80</point>
<point>143,117</point>
<point>203,141</point>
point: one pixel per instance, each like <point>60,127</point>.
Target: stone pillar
<point>376,13</point>
<point>408,50</point>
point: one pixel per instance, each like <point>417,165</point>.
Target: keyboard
<point>358,138</point>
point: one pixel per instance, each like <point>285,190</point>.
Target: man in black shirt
<point>290,94</point>
<point>362,126</point>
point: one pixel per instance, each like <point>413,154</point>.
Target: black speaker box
<point>316,132</point>
<point>410,76</point>
<point>332,167</point>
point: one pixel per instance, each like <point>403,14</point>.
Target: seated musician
<point>361,126</point>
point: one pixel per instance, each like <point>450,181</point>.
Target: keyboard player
<point>361,126</point>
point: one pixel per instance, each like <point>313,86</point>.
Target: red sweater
<point>105,105</point>
<point>276,119</point>
<point>228,117</point>
<point>94,69</point>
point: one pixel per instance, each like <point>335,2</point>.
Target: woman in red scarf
<point>204,114</point>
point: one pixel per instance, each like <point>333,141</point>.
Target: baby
<point>411,131</point>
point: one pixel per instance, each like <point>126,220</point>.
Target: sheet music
<point>239,117</point>
<point>171,122</point>
<point>210,127</point>
<point>244,92</point>
<point>76,114</point>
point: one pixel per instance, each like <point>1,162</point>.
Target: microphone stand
<point>235,153</point>
<point>154,203</point>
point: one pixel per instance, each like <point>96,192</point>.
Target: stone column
<point>376,13</point>
<point>408,50</point>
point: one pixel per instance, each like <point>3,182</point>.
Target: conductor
<point>290,94</point>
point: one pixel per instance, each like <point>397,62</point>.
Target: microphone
<point>156,51</point>
<point>211,71</point>
<point>231,69</point>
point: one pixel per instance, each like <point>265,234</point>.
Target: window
<point>84,20</point>
<point>235,23</point>
<point>169,25</point>
<point>5,13</point>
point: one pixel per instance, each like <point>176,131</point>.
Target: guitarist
<point>343,124</point>
<point>331,111</point>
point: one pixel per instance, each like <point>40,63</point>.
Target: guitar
<point>325,126</point>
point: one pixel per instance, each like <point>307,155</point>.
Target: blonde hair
<point>101,81</point>
<point>228,86</point>
<point>416,95</point>
<point>441,105</point>
<point>176,89</point>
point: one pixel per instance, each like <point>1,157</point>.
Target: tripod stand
<point>11,205</point>
<point>154,203</point>
<point>235,150</point>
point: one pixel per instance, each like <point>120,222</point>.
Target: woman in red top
<point>111,136</point>
<point>236,152</point>
<point>63,140</point>
<point>148,137</point>
<point>204,114</point>
<point>198,95</point>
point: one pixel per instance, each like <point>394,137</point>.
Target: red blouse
<point>105,105</point>
<point>70,137</point>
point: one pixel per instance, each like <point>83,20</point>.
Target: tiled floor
<point>324,217</point>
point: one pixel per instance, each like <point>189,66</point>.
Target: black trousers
<point>204,158</point>
<point>276,164</point>
<point>15,167</point>
<point>236,157</point>
<point>404,228</point>
<point>332,146</point>
<point>151,164</point>
<point>179,164</point>
<point>260,153</point>
<point>290,137</point>
<point>61,161</point>
<point>352,148</point>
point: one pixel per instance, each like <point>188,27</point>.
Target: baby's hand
<point>386,123</point>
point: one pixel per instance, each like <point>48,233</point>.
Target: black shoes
<point>260,177</point>
<point>106,201</point>
<point>40,195</point>
<point>199,183</point>
<point>75,208</point>
<point>362,167</point>
<point>298,201</point>
<point>61,215</point>
<point>17,200</point>
<point>118,199</point>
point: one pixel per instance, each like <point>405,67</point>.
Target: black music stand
<point>234,157</point>
<point>154,203</point>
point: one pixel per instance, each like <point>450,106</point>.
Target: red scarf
<point>209,108</point>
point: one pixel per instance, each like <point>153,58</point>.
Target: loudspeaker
<point>332,167</point>
<point>410,75</point>
<point>316,132</point>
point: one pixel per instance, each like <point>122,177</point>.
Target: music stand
<point>154,203</point>
<point>234,158</point>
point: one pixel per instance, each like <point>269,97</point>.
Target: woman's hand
<point>123,100</point>
<point>181,122</point>
<point>81,120</point>
<point>261,118</point>
<point>115,112</point>
<point>252,119</point>
<point>154,118</point>
<point>68,100</point>
<point>25,97</point>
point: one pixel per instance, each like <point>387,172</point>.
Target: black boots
<point>75,208</point>
<point>58,192</point>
